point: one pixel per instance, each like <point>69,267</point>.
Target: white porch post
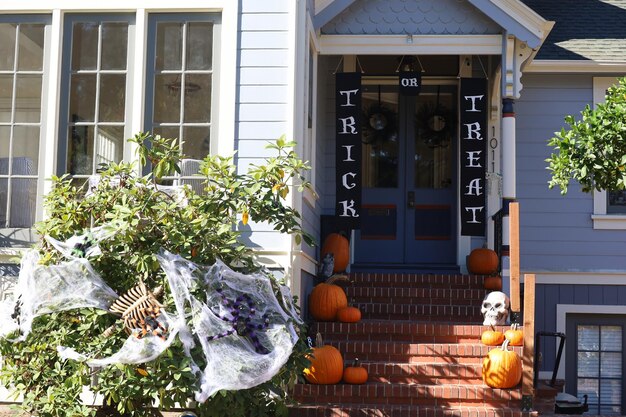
<point>508,151</point>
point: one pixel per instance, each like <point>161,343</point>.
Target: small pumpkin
<point>349,315</point>
<point>492,337</point>
<point>493,283</point>
<point>340,247</point>
<point>514,335</point>
<point>502,368</point>
<point>326,300</point>
<point>355,374</point>
<point>482,261</point>
<point>326,364</point>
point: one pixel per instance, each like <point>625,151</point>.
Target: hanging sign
<point>409,83</point>
<point>473,107</point>
<point>348,148</point>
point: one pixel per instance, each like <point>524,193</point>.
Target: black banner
<point>409,83</point>
<point>473,155</point>
<point>348,148</point>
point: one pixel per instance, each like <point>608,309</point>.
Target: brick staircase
<point>420,342</point>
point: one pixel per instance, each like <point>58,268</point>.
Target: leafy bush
<point>201,230</point>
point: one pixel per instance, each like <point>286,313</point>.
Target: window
<point>22,69</point>
<point>180,82</point>
<point>609,208</point>
<point>599,358</point>
<point>96,88</point>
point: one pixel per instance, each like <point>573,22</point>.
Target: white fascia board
<point>517,19</point>
<point>410,44</point>
<point>569,66</point>
<point>34,6</point>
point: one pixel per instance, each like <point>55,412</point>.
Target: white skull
<point>495,308</point>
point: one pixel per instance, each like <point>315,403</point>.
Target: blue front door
<point>409,177</point>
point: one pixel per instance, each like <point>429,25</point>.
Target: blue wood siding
<point>424,17</point>
<point>547,298</point>
<point>556,232</point>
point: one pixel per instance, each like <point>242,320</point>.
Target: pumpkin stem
<point>356,362</point>
<point>505,345</point>
<point>319,342</point>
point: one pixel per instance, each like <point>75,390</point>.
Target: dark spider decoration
<point>244,320</point>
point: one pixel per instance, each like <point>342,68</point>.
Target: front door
<point>409,177</point>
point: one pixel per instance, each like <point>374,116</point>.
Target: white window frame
<point>602,219</point>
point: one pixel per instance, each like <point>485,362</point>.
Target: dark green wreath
<point>434,124</point>
<point>379,124</point>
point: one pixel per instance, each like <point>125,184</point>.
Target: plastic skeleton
<point>140,311</point>
<point>242,318</point>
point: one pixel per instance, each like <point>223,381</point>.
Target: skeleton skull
<point>495,308</point>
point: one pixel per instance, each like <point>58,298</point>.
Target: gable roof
<point>512,15</point>
<point>584,29</point>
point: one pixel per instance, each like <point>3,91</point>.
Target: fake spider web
<point>245,332</point>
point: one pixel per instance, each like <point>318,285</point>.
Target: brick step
<point>364,279</point>
<point>374,393</point>
<point>393,352</point>
<point>424,373</point>
<point>421,312</point>
<point>346,410</point>
<point>398,331</point>
<point>416,295</point>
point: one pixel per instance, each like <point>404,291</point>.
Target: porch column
<point>508,151</point>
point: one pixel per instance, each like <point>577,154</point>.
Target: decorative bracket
<point>515,54</point>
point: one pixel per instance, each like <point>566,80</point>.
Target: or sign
<point>473,107</point>
<point>410,83</point>
<point>348,148</point>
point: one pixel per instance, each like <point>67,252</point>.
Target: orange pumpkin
<point>326,364</point>
<point>482,261</point>
<point>492,337</point>
<point>325,300</point>
<point>349,315</point>
<point>339,246</point>
<point>502,368</point>
<point>355,374</point>
<point>493,283</point>
<point>514,335</point>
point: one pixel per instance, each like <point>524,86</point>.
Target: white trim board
<point>569,66</point>
<point>581,278</point>
<point>561,315</point>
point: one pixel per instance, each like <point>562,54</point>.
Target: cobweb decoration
<point>245,334</point>
<point>46,289</point>
<point>85,245</point>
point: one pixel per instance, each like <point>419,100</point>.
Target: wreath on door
<point>434,124</point>
<point>379,125</point>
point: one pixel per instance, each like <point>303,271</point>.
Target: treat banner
<point>348,148</point>
<point>473,105</point>
<point>409,83</point>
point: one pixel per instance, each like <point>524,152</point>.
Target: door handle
<point>410,198</point>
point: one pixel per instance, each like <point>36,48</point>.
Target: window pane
<point>169,46</point>
<point>23,198</point>
<point>610,391</point>
<point>5,138</point>
<point>6,97</point>
<point>170,132</point>
<point>611,338</point>
<point>114,45</point>
<point>167,98</point>
<point>110,144</point>
<point>588,364</point>
<point>589,387</point>
<point>611,364</point>
<point>198,98</point>
<point>197,142</point>
<point>4,201</point>
<point>31,40</point>
<point>199,45</point>
<point>588,337</point>
<point>610,410</point>
<point>85,46</point>
<point>112,97</point>
<point>28,99</point>
<point>82,97</point>
<point>25,150</point>
<point>80,150</point>
<point>616,202</point>
<point>7,46</point>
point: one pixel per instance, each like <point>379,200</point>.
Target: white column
<point>508,150</point>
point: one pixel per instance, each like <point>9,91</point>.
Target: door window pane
<point>588,364</point>
<point>83,97</point>
<point>198,98</point>
<point>28,98</point>
<point>80,150</point>
<point>110,144</point>
<point>112,97</point>
<point>114,45</point>
<point>25,146</point>
<point>6,97</point>
<point>611,337</point>
<point>200,46</point>
<point>167,98</point>
<point>588,337</point>
<point>169,44</point>
<point>85,46</point>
